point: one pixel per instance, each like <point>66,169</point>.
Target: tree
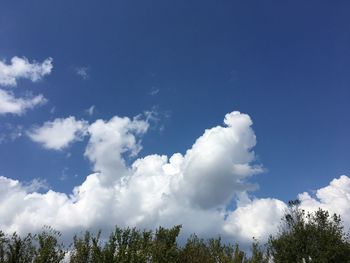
<point>165,247</point>
<point>309,237</point>
<point>81,252</point>
<point>18,250</point>
<point>195,251</point>
<point>49,250</point>
<point>258,255</point>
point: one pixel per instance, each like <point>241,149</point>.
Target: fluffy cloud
<point>193,189</point>
<point>215,167</point>
<point>22,68</point>
<point>10,104</point>
<point>258,218</point>
<point>59,133</point>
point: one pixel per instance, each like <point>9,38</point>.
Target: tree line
<point>303,237</point>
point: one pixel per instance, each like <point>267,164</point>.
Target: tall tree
<point>310,237</point>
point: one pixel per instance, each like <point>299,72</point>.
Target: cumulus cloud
<point>22,68</point>
<point>216,166</point>
<point>9,104</point>
<point>58,134</point>
<point>109,141</point>
<point>193,189</point>
<point>258,218</point>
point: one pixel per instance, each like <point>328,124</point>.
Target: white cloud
<point>17,69</point>
<point>109,140</point>
<point>58,134</point>
<point>192,189</point>
<point>216,166</point>
<point>335,198</point>
<point>9,104</point>
<point>258,218</point>
<point>22,68</point>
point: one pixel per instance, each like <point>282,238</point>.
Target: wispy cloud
<point>90,111</point>
<point>10,132</point>
<point>36,185</point>
<point>154,91</point>
<point>82,72</point>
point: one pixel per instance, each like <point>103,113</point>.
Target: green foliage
<point>195,251</point>
<point>40,248</point>
<point>310,237</point>
<point>214,251</point>
<point>258,255</point>
<point>132,245</point>
<point>164,246</point>
<point>82,249</point>
<point>49,249</point>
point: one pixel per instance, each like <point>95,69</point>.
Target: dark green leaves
<point>310,237</point>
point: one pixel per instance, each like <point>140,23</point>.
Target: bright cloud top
<point>58,134</point>
<point>22,68</point>
<point>335,198</point>
<point>10,104</point>
<point>193,189</point>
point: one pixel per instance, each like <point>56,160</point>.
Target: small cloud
<point>64,174</point>
<point>60,133</point>
<point>10,73</point>
<point>90,111</point>
<point>21,68</point>
<point>9,104</point>
<point>154,91</point>
<point>83,72</point>
<point>53,110</point>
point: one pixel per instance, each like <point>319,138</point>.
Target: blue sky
<point>285,64</point>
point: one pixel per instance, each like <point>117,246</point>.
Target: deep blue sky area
<point>285,63</point>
